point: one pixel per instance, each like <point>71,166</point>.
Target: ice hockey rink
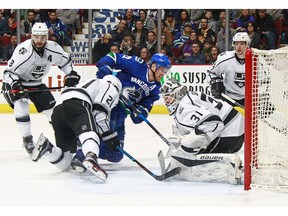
<point>25,183</point>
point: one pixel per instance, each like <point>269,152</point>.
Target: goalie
<point>207,135</point>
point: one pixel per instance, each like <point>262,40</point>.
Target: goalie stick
<point>32,90</point>
<point>162,177</point>
<point>145,119</point>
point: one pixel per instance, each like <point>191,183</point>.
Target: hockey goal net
<point>266,119</point>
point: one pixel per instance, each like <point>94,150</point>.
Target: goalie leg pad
<point>216,168</point>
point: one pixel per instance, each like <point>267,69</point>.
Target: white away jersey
<point>232,69</point>
<point>28,66</point>
<point>198,110</point>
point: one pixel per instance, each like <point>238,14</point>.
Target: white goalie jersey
<point>232,69</point>
<point>30,66</point>
<point>215,118</point>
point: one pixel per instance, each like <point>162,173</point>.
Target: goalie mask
<point>239,47</point>
<point>172,92</point>
<point>39,35</point>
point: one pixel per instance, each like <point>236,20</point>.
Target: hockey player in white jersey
<point>228,72</point>
<point>208,133</point>
<point>29,64</point>
<point>82,112</point>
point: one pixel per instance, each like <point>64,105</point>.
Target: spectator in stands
<point>120,31</point>
<point>214,53</point>
<point>139,34</point>
<point>265,26</point>
<point>186,50</point>
<point>165,52</point>
<point>148,23</point>
<point>210,19</point>
<point>179,26</point>
<point>130,19</point>
<point>101,48</point>
<point>181,37</point>
<point>205,32</point>
<point>57,30</point>
<point>27,24</point>
<point>145,55</point>
<point>114,48</point>
<point>42,15</point>
<point>68,17</point>
<point>196,15</point>
<point>153,14</point>
<point>254,36</point>
<point>12,28</point>
<point>8,50</point>
<point>3,24</point>
<point>220,42</point>
<point>242,21</point>
<point>222,16</point>
<point>207,45</point>
<point>275,13</point>
<point>165,46</point>
<point>197,57</point>
<point>151,43</point>
<point>127,46</point>
<point>165,31</point>
<point>170,22</point>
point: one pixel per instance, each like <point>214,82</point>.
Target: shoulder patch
<point>222,54</point>
<point>56,44</point>
<point>112,55</point>
<point>22,51</point>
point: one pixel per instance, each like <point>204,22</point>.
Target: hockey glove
<point>103,71</point>
<point>217,87</point>
<point>175,140</point>
<point>111,139</point>
<point>135,114</point>
<point>71,79</point>
<point>18,90</point>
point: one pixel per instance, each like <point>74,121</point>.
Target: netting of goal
<point>266,119</point>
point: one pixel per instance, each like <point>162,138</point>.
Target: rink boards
<point>191,76</point>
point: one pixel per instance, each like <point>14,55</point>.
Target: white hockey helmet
<point>172,92</point>
<point>241,36</point>
<point>114,81</point>
<point>39,29</point>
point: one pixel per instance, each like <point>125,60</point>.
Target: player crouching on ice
<point>79,114</point>
<point>207,135</point>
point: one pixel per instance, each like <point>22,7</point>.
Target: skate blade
<point>97,172</point>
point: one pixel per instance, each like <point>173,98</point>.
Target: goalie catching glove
<point>111,139</point>
<point>135,114</point>
<point>71,79</point>
<point>217,87</point>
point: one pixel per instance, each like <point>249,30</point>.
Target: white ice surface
<point>25,183</point>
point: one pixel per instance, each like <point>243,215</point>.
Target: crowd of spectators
<point>193,36</point>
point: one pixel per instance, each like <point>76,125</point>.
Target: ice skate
<point>76,165</point>
<point>42,146</point>
<point>92,165</point>
<point>28,144</point>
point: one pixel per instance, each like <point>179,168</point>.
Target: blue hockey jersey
<point>134,76</point>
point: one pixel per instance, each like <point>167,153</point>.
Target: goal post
<point>266,119</point>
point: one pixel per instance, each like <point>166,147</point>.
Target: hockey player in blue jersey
<point>141,84</point>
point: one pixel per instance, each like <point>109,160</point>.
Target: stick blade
<point>169,174</point>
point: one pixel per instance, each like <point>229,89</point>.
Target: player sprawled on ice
<point>141,84</point>
<point>29,64</point>
<point>207,135</point>
<point>81,112</point>
<point>228,72</point>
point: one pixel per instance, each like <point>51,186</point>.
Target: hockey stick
<point>239,107</point>
<point>162,177</point>
<point>145,119</point>
<point>32,90</point>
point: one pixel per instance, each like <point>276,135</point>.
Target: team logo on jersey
<point>239,79</point>
<point>38,71</point>
<point>22,50</point>
<point>135,93</point>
